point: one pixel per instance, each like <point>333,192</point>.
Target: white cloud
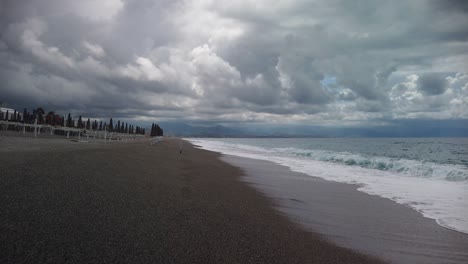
<point>410,102</point>
<point>148,69</point>
<point>94,49</point>
<point>33,29</point>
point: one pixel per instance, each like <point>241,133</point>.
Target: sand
<point>363,222</point>
<point>69,202</point>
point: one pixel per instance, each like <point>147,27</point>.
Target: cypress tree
<point>118,126</point>
<point>158,131</point>
<point>88,124</point>
<point>7,114</point>
<point>111,125</point>
<point>69,120</point>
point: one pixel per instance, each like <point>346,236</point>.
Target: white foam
<point>429,191</point>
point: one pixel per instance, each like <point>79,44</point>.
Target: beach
<point>132,202</point>
<point>353,219</point>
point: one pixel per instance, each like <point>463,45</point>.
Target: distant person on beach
<point>180,147</point>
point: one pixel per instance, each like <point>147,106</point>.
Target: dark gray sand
<point>64,202</point>
<point>363,222</point>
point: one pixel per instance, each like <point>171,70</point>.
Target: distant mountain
<point>394,128</point>
<point>186,130</point>
<point>216,130</point>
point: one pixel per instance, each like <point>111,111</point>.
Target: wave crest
<point>406,167</point>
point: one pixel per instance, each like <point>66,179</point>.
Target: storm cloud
<point>321,62</point>
<point>432,84</point>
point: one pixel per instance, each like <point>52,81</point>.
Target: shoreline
<point>142,203</point>
<point>367,223</point>
<point>434,188</point>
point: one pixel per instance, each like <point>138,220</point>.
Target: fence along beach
<point>38,122</point>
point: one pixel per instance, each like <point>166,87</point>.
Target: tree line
<point>156,131</point>
<point>53,119</point>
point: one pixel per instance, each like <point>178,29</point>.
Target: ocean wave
<point>413,168</point>
<point>398,166</point>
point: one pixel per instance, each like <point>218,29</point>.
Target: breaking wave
<point>404,167</point>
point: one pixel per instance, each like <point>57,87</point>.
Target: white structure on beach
<point>4,111</point>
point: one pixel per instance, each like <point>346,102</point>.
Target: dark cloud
<point>451,5</point>
<point>294,61</point>
<point>432,84</point>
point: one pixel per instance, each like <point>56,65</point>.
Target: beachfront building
<point>8,114</point>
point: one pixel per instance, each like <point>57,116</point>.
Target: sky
<point>249,65</point>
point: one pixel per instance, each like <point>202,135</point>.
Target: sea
<point>429,175</point>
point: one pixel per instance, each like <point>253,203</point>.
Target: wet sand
<point>363,222</point>
<point>70,202</point>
